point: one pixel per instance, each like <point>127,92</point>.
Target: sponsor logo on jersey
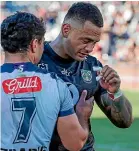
<point>22,85</point>
<point>86,75</point>
<point>66,72</point>
<point>43,66</point>
<point>20,68</point>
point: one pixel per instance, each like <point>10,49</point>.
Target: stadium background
<point>118,47</point>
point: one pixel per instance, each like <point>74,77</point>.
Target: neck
<point>16,58</point>
<point>58,47</point>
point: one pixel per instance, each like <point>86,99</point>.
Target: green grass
<point>110,138</point>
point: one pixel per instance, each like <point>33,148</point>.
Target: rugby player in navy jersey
<point>32,100</point>
<point>68,56</point>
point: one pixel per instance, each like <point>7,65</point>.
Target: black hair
<point>18,30</point>
<point>82,12</point>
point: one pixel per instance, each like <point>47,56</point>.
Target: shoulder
<point>45,74</point>
<point>93,61</point>
<point>52,76</point>
<point>46,45</point>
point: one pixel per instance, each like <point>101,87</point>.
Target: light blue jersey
<point>31,102</point>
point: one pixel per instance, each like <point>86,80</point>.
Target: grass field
<point>110,138</point>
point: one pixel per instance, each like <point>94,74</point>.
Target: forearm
<point>71,133</point>
<point>81,134</point>
<point>113,103</point>
<point>83,111</point>
<point>119,111</point>
<point>84,123</point>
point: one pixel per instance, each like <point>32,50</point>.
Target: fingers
<point>83,96</point>
<point>108,78</point>
<point>105,68</point>
<point>109,75</point>
<point>114,80</point>
<point>83,100</point>
<point>106,71</point>
<point>91,100</point>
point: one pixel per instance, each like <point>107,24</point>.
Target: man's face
<point>80,42</point>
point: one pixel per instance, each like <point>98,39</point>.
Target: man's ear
<point>66,28</point>
<point>32,50</point>
<point>33,45</point>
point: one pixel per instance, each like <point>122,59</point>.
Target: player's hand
<point>110,79</point>
<point>84,107</point>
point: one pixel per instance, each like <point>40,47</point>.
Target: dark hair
<point>83,12</point>
<point>18,30</point>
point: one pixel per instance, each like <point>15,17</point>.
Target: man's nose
<point>89,47</point>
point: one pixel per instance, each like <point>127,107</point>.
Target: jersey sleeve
<point>66,107</point>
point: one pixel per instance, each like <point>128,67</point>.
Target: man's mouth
<point>83,55</point>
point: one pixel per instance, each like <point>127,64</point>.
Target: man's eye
<point>95,42</point>
<point>85,41</point>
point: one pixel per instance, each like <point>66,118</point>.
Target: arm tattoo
<point>118,111</point>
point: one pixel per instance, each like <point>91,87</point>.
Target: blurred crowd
<point>120,37</point>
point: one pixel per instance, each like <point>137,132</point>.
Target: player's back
<point>30,105</point>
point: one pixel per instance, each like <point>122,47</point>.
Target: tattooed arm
<point>118,110</point>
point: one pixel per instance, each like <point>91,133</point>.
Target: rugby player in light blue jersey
<point>32,100</point>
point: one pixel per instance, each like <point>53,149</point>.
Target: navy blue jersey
<point>79,76</point>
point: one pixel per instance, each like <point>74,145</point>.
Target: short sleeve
<point>66,106</point>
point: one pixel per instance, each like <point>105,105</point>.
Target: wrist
<point>115,95</point>
<point>83,120</point>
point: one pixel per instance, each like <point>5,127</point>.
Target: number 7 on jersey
<point>28,108</point>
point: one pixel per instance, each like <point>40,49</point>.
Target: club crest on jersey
<point>86,75</point>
